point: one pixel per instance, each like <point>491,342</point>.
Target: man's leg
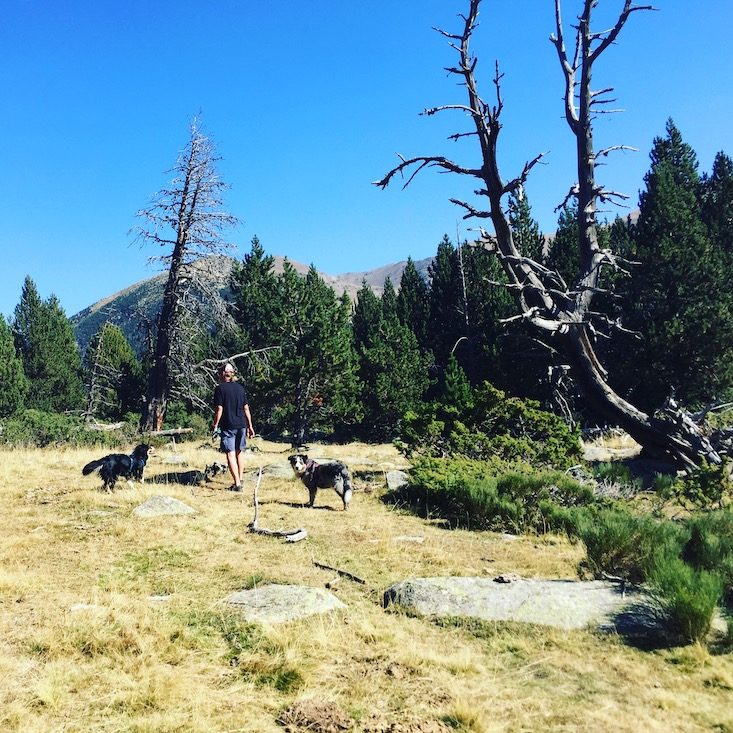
<point>240,466</point>
<point>241,443</point>
<point>233,463</point>
<point>229,446</point>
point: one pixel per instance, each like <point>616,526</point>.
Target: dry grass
<point>87,644</point>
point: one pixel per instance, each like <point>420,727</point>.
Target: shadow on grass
<point>185,478</point>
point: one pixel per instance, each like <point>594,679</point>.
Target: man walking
<point>233,418</point>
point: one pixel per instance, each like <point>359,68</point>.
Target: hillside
<point>135,307</point>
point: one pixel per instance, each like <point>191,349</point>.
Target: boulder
<point>565,604</point>
<point>157,506</point>
<point>277,604</point>
<point>396,480</point>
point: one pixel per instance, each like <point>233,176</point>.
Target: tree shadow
<point>184,478</point>
<point>643,627</point>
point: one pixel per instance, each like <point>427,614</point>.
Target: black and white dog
<point>117,465</point>
<point>323,476</point>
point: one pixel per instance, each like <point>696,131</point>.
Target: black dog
<point>323,476</point>
<point>117,465</point>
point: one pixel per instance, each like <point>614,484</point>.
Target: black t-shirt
<point>232,396</point>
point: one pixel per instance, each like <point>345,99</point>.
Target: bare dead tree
<point>558,309</point>
<point>101,376</point>
<point>187,220</point>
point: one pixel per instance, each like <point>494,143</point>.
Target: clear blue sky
<point>308,102</point>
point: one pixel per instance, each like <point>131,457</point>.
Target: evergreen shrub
<point>687,596</point>
<point>492,425</point>
<point>710,546</point>
<point>494,494</point>
<point>37,429</point>
<point>706,487</point>
<point>623,544</point>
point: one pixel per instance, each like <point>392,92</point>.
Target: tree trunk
<point>671,436</point>
<point>159,379</point>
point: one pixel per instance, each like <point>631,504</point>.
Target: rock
<point>396,480</point>
<point>280,603</point>
<point>175,459</point>
<point>276,470</point>
<point>564,604</point>
<point>417,539</point>
<point>157,506</point>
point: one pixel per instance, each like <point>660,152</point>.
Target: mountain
<point>135,308</point>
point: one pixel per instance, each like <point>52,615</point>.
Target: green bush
<point>710,546</point>
<point>492,425</point>
<point>494,494</point>
<point>177,415</point>
<point>619,543</point>
<point>707,486</point>
<point>687,596</point>
<point>615,472</point>
<point>37,429</point>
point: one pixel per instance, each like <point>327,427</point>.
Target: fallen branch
<point>293,535</point>
<point>172,431</point>
<point>345,573</point>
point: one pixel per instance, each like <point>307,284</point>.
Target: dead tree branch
<point>341,572</point>
<point>292,535</point>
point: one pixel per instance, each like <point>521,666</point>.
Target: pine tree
<point>26,322</point>
<point>412,302</point>
<point>253,284</point>
<point>367,317</point>
<point>717,203</point>
<point>389,300</point>
<point>456,390</point>
<point>113,375</point>
<point>679,297</point>
<point>13,382</point>
<point>516,342</point>
<point>563,250</point>
<point>525,230</point>
<point>314,373</point>
<point>446,321</point>
<point>51,361</point>
<point>392,367</point>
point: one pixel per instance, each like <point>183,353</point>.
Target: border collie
<point>323,476</point>
<point>117,465</point>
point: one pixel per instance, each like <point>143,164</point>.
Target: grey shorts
<point>233,440</point>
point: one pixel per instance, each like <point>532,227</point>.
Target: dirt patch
<point>319,716</point>
<point>315,715</point>
<point>374,725</point>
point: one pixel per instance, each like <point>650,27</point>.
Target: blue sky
<point>309,102</point>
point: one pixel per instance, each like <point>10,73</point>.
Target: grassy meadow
<point>109,622</point>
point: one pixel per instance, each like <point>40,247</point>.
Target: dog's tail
<point>93,466</point>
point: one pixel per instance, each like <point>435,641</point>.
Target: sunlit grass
<point>110,622</point>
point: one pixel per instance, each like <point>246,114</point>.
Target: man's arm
<point>248,418</point>
<point>217,416</point>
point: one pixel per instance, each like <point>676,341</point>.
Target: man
<point>232,416</point>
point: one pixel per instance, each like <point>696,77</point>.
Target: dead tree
<point>186,219</point>
<point>558,309</point>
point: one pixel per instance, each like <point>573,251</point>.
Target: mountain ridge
<point>135,307</point>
